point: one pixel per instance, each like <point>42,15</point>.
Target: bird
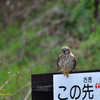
<point>66,61</point>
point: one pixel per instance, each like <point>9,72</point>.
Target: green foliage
<point>34,49</point>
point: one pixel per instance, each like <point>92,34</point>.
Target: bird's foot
<point>67,74</point>
<point>64,73</point>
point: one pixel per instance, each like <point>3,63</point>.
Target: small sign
<point>78,86</point>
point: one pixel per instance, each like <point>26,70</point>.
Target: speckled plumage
<point>66,61</point>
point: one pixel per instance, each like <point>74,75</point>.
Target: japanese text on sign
<point>79,86</point>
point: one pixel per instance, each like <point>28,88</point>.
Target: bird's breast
<point>65,63</point>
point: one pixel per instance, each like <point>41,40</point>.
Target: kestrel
<point>66,61</point>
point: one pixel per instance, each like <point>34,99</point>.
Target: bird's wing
<point>58,60</point>
<point>74,60</point>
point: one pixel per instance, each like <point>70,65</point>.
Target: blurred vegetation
<point>32,33</point>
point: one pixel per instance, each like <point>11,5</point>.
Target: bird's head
<point>65,50</point>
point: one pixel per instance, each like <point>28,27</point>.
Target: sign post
<point>78,86</point>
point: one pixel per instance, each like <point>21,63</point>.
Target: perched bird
<point>66,61</point>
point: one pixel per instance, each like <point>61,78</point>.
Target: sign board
<point>78,86</point>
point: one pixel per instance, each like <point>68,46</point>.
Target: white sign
<point>78,86</point>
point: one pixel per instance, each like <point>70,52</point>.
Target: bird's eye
<point>62,51</point>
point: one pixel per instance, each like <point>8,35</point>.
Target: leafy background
<point>33,32</point>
